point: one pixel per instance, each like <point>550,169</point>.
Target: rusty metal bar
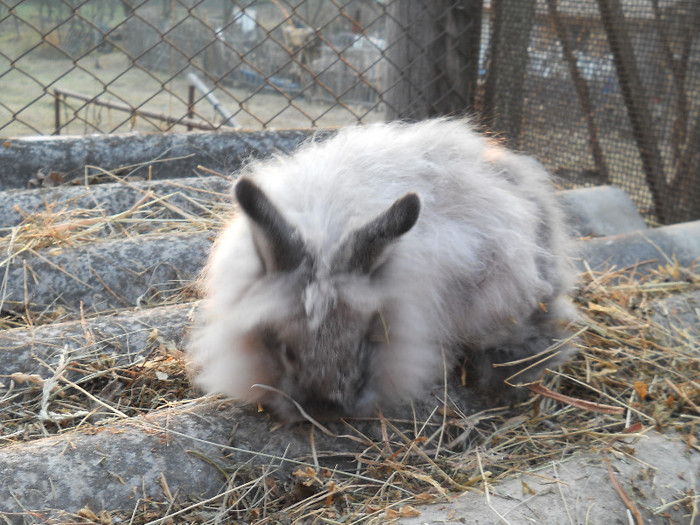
<point>57,111</point>
<point>183,121</point>
<point>190,104</point>
<point>211,98</point>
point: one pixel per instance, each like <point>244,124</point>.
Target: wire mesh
<point>602,91</point>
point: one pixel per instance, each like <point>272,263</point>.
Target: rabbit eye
<point>289,354</point>
<point>378,330</point>
<point>286,353</point>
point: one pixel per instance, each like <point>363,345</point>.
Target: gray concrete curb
<point>117,274</point>
<point>114,468</point>
<point>223,151</point>
<point>595,212</point>
<point>125,337</point>
<point>105,275</point>
<point>110,467</point>
<point>601,210</point>
<point>114,198</point>
<point>679,313</point>
<point>643,250</point>
<point>579,490</point>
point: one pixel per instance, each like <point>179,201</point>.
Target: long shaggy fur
<point>483,272</point>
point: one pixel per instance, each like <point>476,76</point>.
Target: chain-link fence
<point>599,90</point>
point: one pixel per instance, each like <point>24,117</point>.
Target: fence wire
<point>602,91</point>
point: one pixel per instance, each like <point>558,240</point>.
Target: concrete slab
<point>105,275</point>
<point>125,338</point>
<point>592,212</point>
<point>640,251</point>
<point>680,314</point>
<point>601,210</point>
<point>113,198</point>
<point>660,476</point>
<point>123,273</point>
<point>223,151</point>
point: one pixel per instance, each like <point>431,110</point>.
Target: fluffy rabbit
<point>357,266</point>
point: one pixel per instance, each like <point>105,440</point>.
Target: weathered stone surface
<point>114,198</point>
<point>126,337</point>
<point>223,151</point>
<point>117,274</point>
<point>111,468</point>
<point>642,250</point>
<point>601,210</point>
<point>105,275</point>
<point>579,490</point>
<point>592,212</point>
<point>679,314</point>
<point>114,465</point>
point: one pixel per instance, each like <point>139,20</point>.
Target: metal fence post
<point>190,105</point>
<point>57,112</point>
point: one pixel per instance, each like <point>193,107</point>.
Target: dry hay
<point>631,374</point>
<point>62,223</point>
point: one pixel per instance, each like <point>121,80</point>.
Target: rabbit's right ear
<point>277,242</point>
<point>363,250</point>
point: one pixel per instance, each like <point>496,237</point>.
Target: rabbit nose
<point>324,408</point>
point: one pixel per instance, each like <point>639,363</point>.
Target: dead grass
<point>625,360</point>
<point>28,85</point>
<point>649,375</point>
<point>63,223</point>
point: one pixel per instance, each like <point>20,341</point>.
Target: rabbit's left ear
<point>277,242</point>
<point>363,248</point>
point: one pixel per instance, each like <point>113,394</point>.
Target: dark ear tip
<point>410,205</point>
<point>245,190</point>
<point>251,198</point>
<point>412,201</point>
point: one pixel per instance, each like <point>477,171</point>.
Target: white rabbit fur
<point>483,273</point>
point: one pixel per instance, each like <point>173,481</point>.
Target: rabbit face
<point>324,366</point>
<point>320,355</point>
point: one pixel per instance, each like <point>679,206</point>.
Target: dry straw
<point>631,374</point>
